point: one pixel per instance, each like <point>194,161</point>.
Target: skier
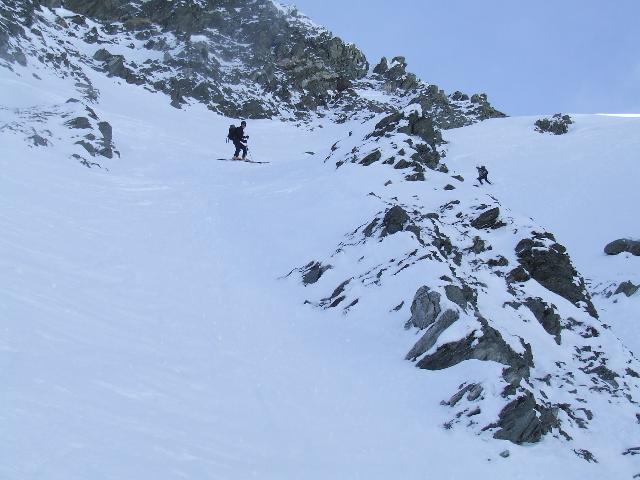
<point>240,142</point>
<point>482,174</point>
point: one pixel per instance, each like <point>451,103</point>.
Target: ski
<point>245,161</point>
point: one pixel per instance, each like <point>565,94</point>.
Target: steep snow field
<point>147,331</point>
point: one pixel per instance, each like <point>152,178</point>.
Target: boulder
<point>558,124</point>
<point>387,124</point>
<point>486,219</point>
<point>78,122</point>
<point>518,275</point>
<point>549,264</point>
<point>371,158</point>
<point>394,220</point>
<point>402,164</point>
<point>102,55</point>
<point>137,23</point>
<point>623,245</point>
<point>423,127</point>
<point>524,421</point>
<point>425,308</point>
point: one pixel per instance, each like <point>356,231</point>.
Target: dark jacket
<point>238,136</point>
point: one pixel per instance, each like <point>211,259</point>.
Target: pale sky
<point>530,57</point>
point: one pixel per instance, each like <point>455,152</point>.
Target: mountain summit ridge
<point>250,59</point>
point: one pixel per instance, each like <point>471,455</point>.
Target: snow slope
<point>147,334</point>
<point>149,329</point>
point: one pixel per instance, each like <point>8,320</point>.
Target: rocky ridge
<point>251,59</point>
<point>479,297</point>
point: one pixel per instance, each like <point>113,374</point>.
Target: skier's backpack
<point>232,133</point>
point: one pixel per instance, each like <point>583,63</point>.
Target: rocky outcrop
<point>395,75</point>
<point>484,344</point>
<point>115,66</point>
<point>487,219</point>
<point>394,220</point>
<point>313,271</point>
<point>425,308</point>
<point>79,123</point>
<point>455,110</point>
<point>525,421</point>
<point>546,314</point>
<point>435,329</point>
<point>547,262</point>
<point>627,288</point>
<point>371,158</point>
<point>558,124</point>
<point>463,296</point>
<point>547,373</point>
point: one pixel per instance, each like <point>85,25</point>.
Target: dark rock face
<point>500,261</point>
<point>460,296</point>
<point>382,67</point>
<point>429,339</point>
<point>425,308</point>
<point>279,53</point>
<point>102,55</point>
<point>518,275</point>
<point>545,314</point>
<point>623,245</point>
<point>313,271</point>
<point>79,122</point>
<point>549,264</point>
<point>487,219</point>
<point>107,139</point>
<point>371,158</point>
<point>388,124</point>
<point>424,128</point>
<point>421,126</point>
<point>394,220</point>
<point>558,124</point>
<point>524,421</point>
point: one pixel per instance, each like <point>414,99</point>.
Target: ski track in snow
<point>145,333</point>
